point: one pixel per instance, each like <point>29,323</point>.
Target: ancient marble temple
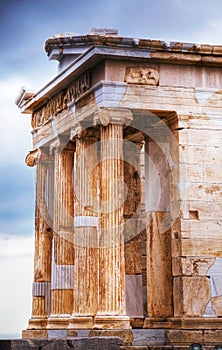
<point>127,143</point>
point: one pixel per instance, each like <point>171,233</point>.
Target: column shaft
<point>63,251</point>
<point>158,230</point>
<point>86,234</point>
<point>111,313</point>
<point>43,248</point>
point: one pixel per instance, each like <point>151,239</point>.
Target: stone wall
<point>109,343</point>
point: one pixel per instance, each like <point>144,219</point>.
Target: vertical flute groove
<point>86,234</point>
<point>63,251</point>
<point>112,282</point>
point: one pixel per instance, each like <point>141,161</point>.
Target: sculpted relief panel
<point>60,101</point>
<point>133,75</point>
<point>142,75</point>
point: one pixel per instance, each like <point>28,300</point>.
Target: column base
<point>125,334</point>
<point>111,322</point>
<point>37,323</point>
<point>78,322</point>
<point>56,322</point>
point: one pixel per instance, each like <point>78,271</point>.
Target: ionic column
<point>86,267</point>
<point>112,307</point>
<point>43,240</point>
<point>62,247</point>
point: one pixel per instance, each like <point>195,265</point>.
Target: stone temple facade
<point>127,144</point>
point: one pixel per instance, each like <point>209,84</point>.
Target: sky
<point>25,25</point>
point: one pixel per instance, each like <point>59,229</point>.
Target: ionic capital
<point>54,145</point>
<point>79,131</point>
<point>76,131</point>
<point>107,116</point>
<point>33,157</point>
<point>61,143</point>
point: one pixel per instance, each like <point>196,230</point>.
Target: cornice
<point>81,41</point>
<point>99,47</point>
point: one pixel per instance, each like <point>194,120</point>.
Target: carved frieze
<point>61,100</point>
<point>53,107</point>
<point>142,75</point>
<point>78,87</point>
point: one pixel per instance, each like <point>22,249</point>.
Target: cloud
<point>16,275</point>
<point>196,21</point>
<point>16,200</point>
<point>15,138</point>
<point>16,246</point>
<point>16,179</point>
<point>211,33</point>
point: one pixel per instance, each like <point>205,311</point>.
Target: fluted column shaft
<point>43,245</point>
<point>62,250</point>
<point>112,287</point>
<point>111,312</point>
<point>86,234</point>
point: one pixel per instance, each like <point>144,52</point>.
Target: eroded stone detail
<point>33,157</point>
<point>141,75</point>
<point>61,100</point>
<point>52,108</point>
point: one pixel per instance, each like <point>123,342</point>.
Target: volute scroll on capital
<point>105,116</point>
<point>33,157</point>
